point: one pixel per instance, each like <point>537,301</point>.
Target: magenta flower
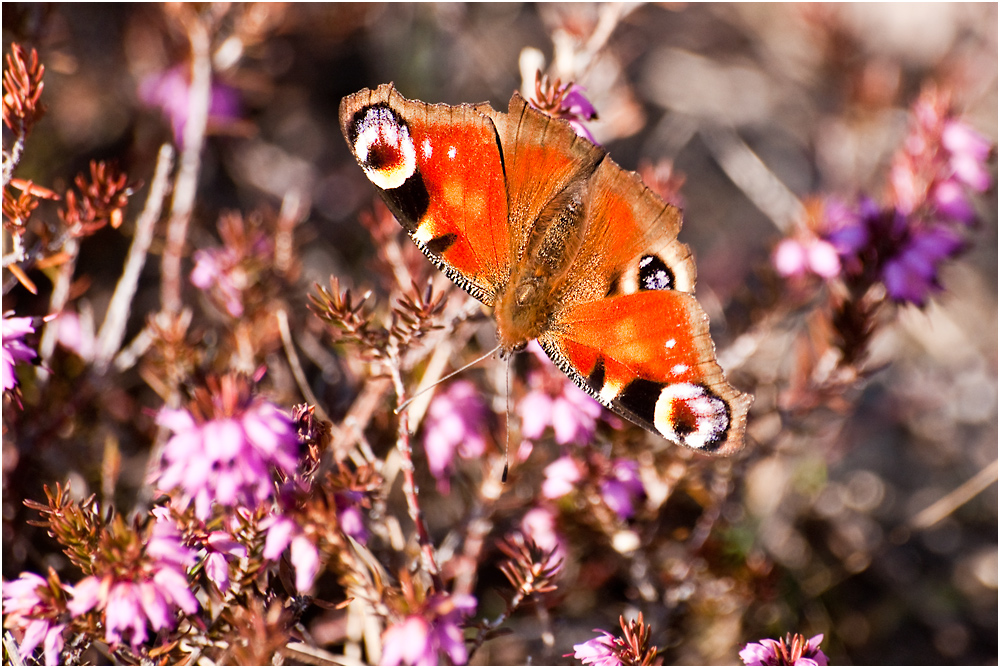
<point>150,598</point>
<point>598,651</point>
<point>15,350</point>
<point>561,477</point>
<point>792,650</point>
<point>456,421</point>
<point>810,255</point>
<point>558,403</point>
<point>28,612</point>
<point>539,524</point>
<point>171,92</point>
<point>420,639</point>
<point>220,550</point>
<point>222,450</point>
<point>622,488</point>
<point>216,271</point>
<point>283,531</point>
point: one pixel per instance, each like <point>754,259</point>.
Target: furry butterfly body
<point>566,246</point>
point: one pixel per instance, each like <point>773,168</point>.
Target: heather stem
<point>410,489</point>
<point>190,163</point>
<point>10,164</point>
<point>113,329</point>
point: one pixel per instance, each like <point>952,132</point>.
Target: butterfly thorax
<point>527,301</point>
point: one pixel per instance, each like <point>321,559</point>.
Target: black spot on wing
<point>409,202</point>
<point>640,397</point>
<point>442,243</point>
<point>654,274</point>
<point>596,377</point>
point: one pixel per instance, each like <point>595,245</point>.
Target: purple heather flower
<point>149,601</point>
<point>14,349</point>
<point>622,488</point>
<point>24,610</point>
<point>912,273</point>
<point>455,423</point>
<point>576,109</point>
<point>216,271</point>
<point>561,477</point>
<point>170,91</point>
<point>225,453</point>
<point>791,651</point>
<point>571,412</point>
<point>283,531</point>
<point>539,524</point>
<point>220,550</point>
<point>599,651</point>
<point>420,638</point>
<point>352,520</point>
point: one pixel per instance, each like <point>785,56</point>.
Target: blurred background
<point>855,517</point>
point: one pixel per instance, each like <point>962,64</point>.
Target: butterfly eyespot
<point>384,147</point>
<point>691,415</point>
<point>654,274</point>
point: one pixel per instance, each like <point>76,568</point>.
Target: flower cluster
<point>455,424</point>
<point>224,446</point>
<point>565,101</point>
<point>34,607</point>
<point>556,402</point>
<point>793,650</point>
<point>902,244</point>
<point>170,91</point>
<point>618,481</point>
<point>140,591</point>
<point>423,636</point>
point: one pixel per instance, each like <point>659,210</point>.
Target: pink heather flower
<point>352,521</point>
<point>216,270</point>
<point>170,91</point>
<point>558,403</point>
<point>968,151</point>
<point>15,350</point>
<point>455,423</point>
<point>576,109</point>
<point>25,611</point>
<point>220,550</point>
<point>789,651</point>
<point>283,531</point>
<point>622,488</point>
<point>561,477</point>
<point>797,257</point>
<point>598,651</point>
<point>149,601</point>
<point>539,524</point>
<point>74,335</point>
<point>224,453</point>
<point>420,639</point>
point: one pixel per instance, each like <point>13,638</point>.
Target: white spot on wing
<point>678,369</point>
<point>452,152</point>
<point>428,149</point>
<point>670,343</point>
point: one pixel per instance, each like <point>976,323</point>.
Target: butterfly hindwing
<point>648,357</point>
<point>440,171</point>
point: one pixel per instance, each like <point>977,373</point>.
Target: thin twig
<point>60,295</point>
<point>955,499</point>
<point>190,163</point>
<point>745,169</point>
<point>11,160</point>
<point>112,332</point>
<point>296,366</point>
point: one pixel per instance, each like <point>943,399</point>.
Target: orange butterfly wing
<point>440,171</point>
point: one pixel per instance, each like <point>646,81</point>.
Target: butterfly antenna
<point>506,447</point>
<point>474,362</point>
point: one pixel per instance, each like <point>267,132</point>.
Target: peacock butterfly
<point>566,246</point>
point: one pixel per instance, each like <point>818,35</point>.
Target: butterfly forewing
<point>439,170</point>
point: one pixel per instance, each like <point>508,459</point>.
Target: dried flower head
<point>101,199</point>
<point>565,101</point>
<point>22,90</point>
<point>792,650</point>
<point>632,648</point>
